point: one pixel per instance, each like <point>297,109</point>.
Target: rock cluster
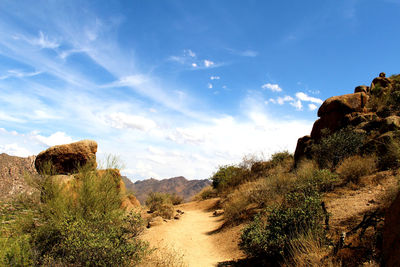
<point>367,110</point>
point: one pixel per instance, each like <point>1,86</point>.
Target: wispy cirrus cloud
<point>18,74</point>
<point>243,53</point>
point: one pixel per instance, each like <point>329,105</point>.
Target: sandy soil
<point>196,236</point>
<point>347,206</point>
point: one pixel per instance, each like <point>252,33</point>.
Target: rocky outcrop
<point>333,111</point>
<point>391,235</point>
<point>66,159</point>
<point>373,111</point>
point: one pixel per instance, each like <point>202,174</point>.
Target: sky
<point>181,87</point>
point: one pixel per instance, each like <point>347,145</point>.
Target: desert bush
<point>270,235</point>
<point>241,203</point>
<point>206,193</point>
<point>308,174</point>
<point>16,251</point>
<point>354,167</point>
<point>282,158</point>
<point>228,177</point>
<point>175,199</point>
<point>388,154</point>
<point>333,148</point>
<point>160,204</point>
<point>79,222</point>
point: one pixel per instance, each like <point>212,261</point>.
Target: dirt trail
<point>195,237</point>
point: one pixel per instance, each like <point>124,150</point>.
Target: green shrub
<point>228,177</point>
<point>308,174</point>
<point>281,157</point>
<point>160,204</point>
<point>270,235</point>
<point>389,154</point>
<point>353,168</point>
<point>78,221</point>
<point>16,251</point>
<point>333,148</point>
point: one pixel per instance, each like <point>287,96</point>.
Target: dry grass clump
<point>309,250</point>
<point>353,168</point>
<point>244,201</point>
<point>160,204</point>
<point>206,193</point>
<point>164,256</point>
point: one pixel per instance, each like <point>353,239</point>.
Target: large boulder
<point>303,149</point>
<point>391,235</point>
<point>382,82</point>
<point>333,112</point>
<point>343,104</point>
<point>66,159</point>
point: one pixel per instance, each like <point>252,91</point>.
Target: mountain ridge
<point>175,185</point>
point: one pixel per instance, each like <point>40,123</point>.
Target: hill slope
<point>178,185</point>
<point>12,172</point>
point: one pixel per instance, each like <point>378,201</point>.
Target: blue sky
<point>181,87</point>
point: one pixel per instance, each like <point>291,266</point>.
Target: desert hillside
<point>12,172</point>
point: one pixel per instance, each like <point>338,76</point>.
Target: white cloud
<point>210,86</point>
<point>304,97</point>
<point>208,63</point>
<point>272,87</point>
<point>44,42</point>
<point>57,138</point>
<point>122,120</point>
<point>215,78</point>
<point>194,65</point>
<point>312,107</point>
<point>190,53</point>
<point>297,104</point>
<point>182,135</point>
<point>15,150</point>
<point>282,100</point>
<point>132,80</point>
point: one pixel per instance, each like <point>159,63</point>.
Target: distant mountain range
<point>179,185</point>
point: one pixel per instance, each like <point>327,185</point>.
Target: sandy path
<point>192,236</point>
